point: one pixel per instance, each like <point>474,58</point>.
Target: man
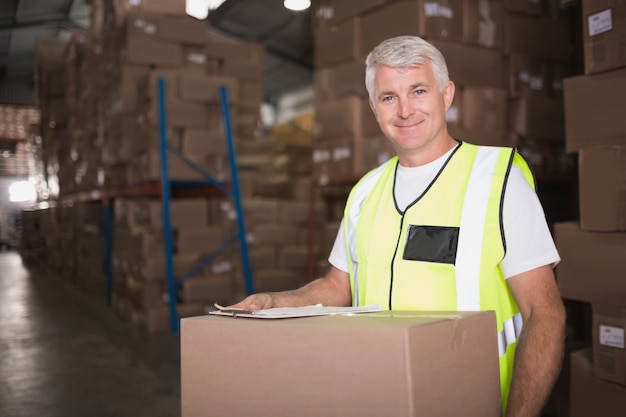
<point>445,225</point>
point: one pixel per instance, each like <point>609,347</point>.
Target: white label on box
<point>340,153</point>
<point>150,29</point>
<point>196,58</point>
<point>435,9</point>
<point>600,22</point>
<point>612,336</point>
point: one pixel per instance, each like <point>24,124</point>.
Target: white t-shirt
<point>529,243</point>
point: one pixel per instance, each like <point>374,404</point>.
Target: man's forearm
<point>320,291</point>
<point>538,361</point>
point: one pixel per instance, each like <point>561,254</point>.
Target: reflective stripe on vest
<point>365,185</point>
<point>469,253</point>
<point>510,333</point>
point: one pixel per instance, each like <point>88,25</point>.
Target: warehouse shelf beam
<point>167,189</point>
<point>207,259</point>
<point>166,196</point>
<point>165,199</point>
<point>241,228</point>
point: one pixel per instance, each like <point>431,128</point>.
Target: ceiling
<point>285,34</point>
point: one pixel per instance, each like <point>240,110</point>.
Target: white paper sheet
<point>290,312</point>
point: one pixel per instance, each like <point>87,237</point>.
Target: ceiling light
<point>200,8</point>
<point>297,5</point>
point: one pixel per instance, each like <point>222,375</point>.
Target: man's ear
<point>448,94</point>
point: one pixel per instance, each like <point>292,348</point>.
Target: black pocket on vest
<point>431,244</point>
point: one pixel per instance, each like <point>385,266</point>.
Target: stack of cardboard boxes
<point>507,60</point>
<point>592,269</point>
<point>139,266</point>
<point>31,250</point>
<point>15,129</point>
<point>99,94</point>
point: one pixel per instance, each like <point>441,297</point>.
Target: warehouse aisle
<point>66,354</point>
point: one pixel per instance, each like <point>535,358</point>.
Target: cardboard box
<point>340,10</point>
<point>538,117</point>
<point>181,29</point>
<point>473,66</point>
<point>526,75</point>
<point>143,50</point>
<point>154,268</point>
<point>172,7</point>
<point>293,257</point>
<point>250,94</point>
<point>195,60</point>
<point>592,266</point>
<point>591,396</point>
<point>604,36</point>
<point>184,114</point>
<point>530,7</point>
<point>482,23</point>
<point>609,348</point>
<point>216,289</point>
<point>177,29</point>
<point>293,212</point>
<point>594,110</point>
<point>235,50</point>
<point>479,136</point>
<point>484,108</point>
<point>340,117</point>
<point>184,213</point>
<point>158,319</point>
<point>272,234</point>
<point>543,37</point>
<point>200,239</point>
<point>345,79</point>
<point>377,364</point>
<point>203,142</point>
<point>428,19</point>
<point>601,185</point>
<point>338,43</point>
<point>206,89</point>
<point>262,257</point>
<point>277,280</point>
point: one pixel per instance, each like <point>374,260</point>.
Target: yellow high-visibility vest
<point>442,253</point>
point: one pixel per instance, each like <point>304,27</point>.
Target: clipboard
<point>293,312</point>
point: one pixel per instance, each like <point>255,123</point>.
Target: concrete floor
<point>66,354</point>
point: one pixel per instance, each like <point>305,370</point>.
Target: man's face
<point>411,108</point>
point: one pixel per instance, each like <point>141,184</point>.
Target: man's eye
<point>419,92</point>
<point>386,98</point>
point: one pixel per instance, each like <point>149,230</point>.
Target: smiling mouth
<point>408,125</point>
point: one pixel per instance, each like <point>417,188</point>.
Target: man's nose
<point>405,110</point>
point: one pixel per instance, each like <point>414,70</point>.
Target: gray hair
<point>404,52</point>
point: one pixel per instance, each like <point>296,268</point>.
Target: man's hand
<point>331,290</point>
<point>258,301</point>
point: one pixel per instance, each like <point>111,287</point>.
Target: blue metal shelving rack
<point>165,191</point>
<point>166,187</point>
